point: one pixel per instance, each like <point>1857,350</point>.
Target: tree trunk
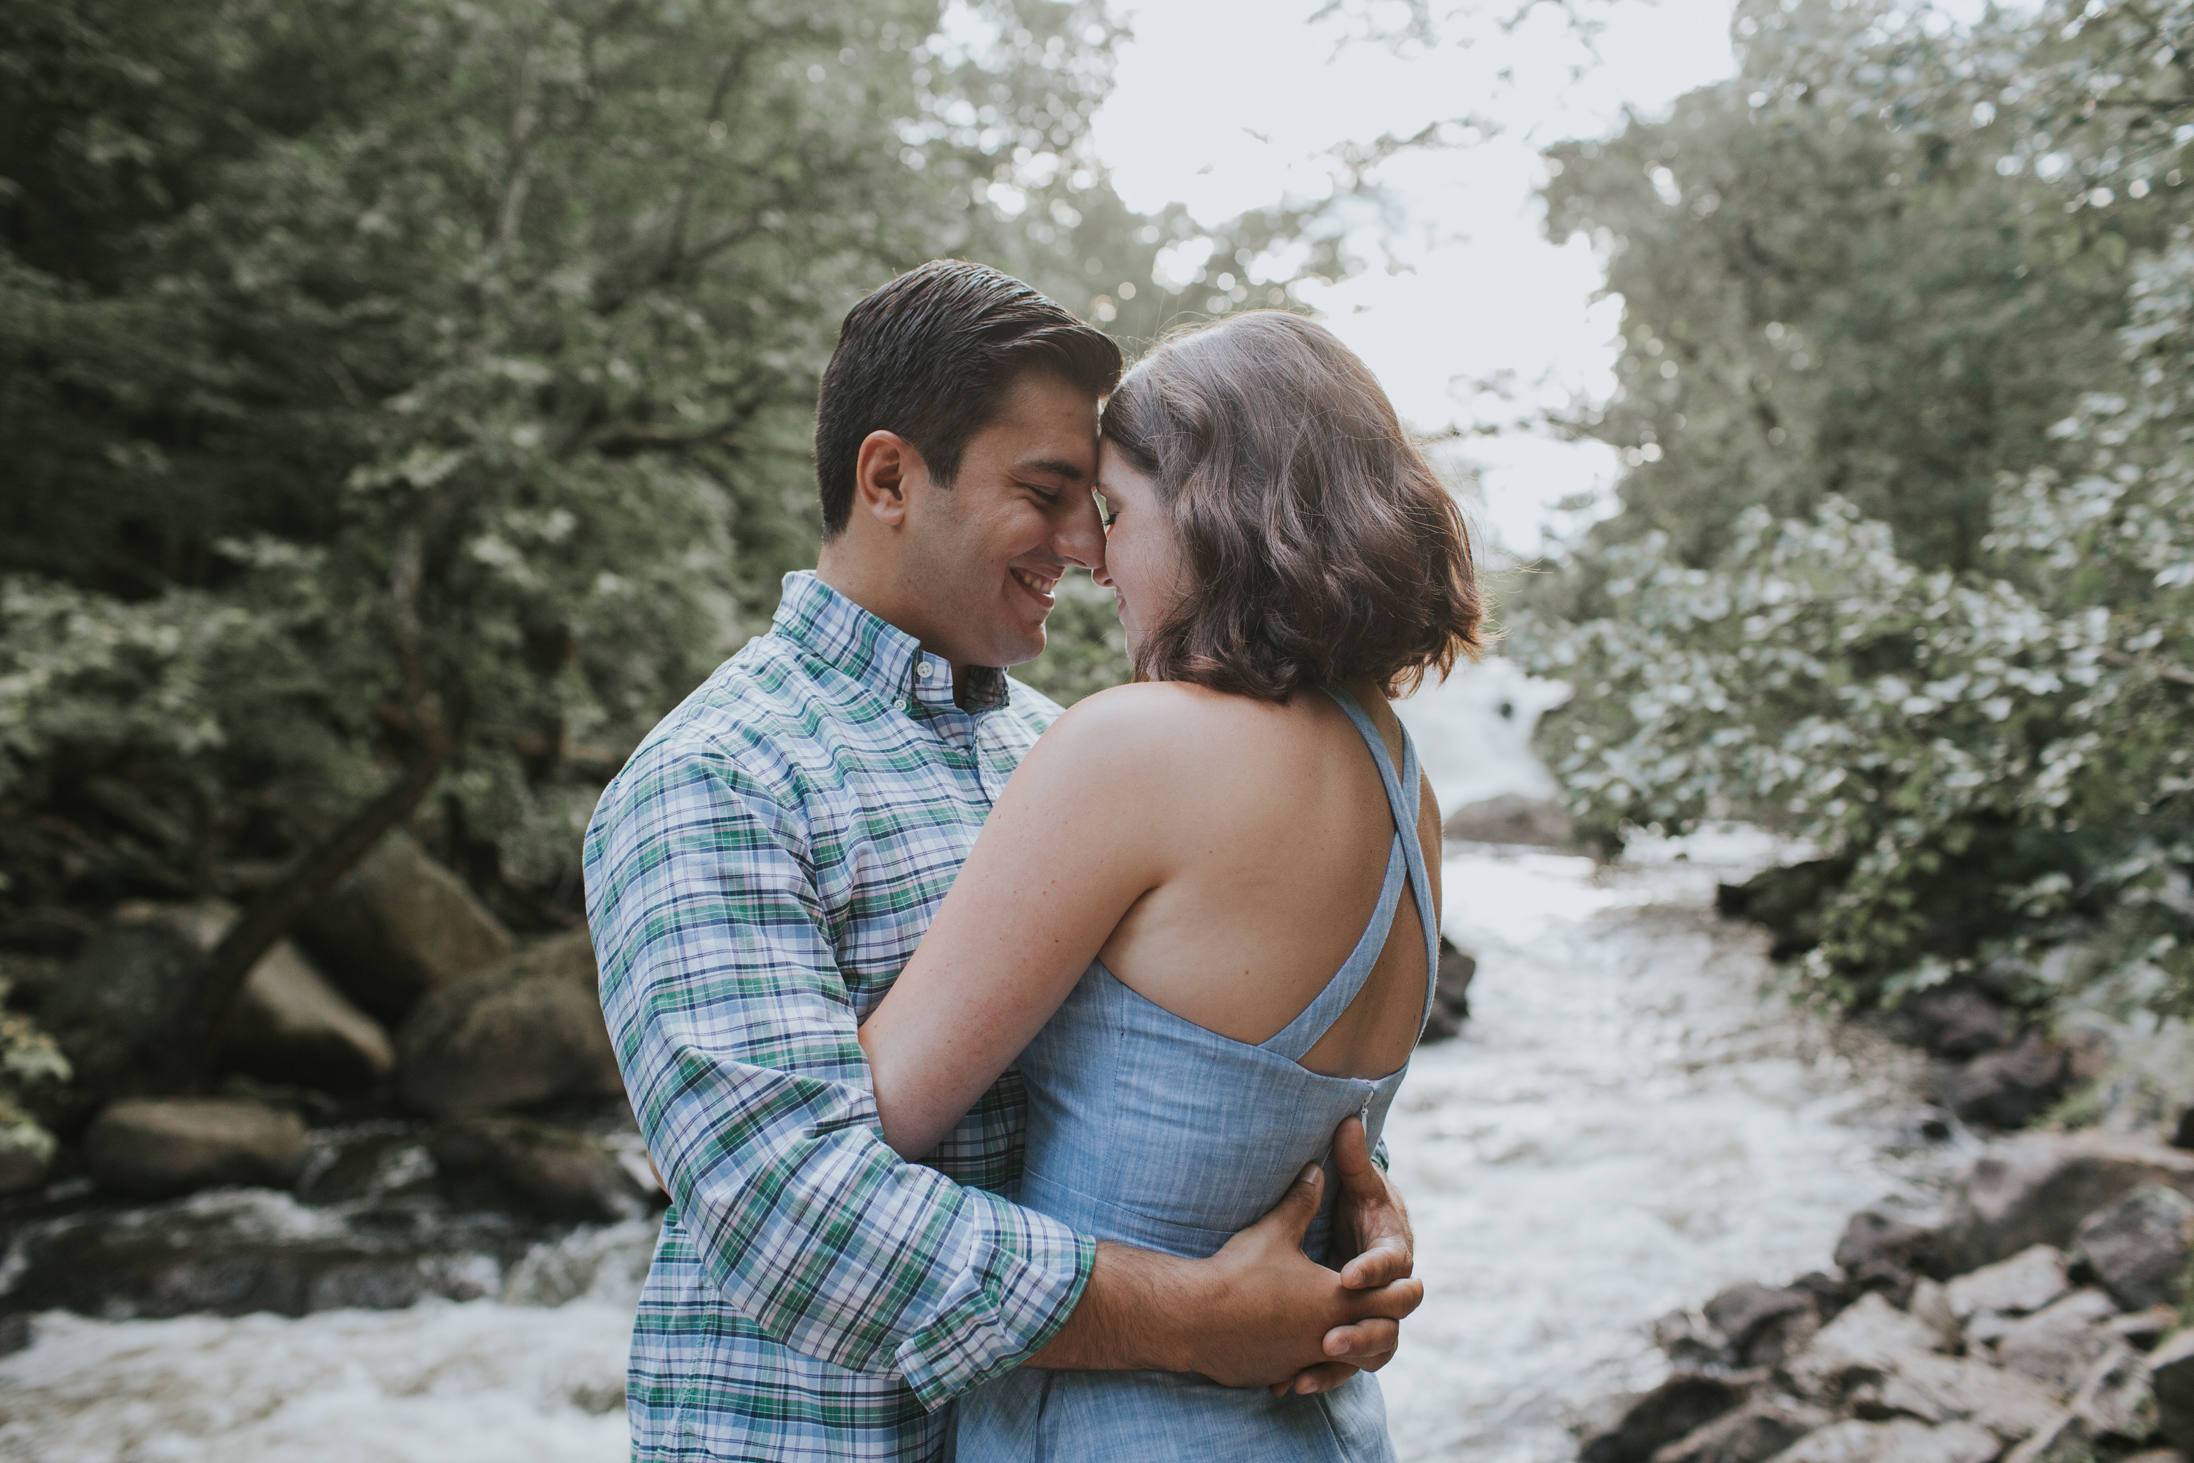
<point>220,976</point>
<point>213,987</point>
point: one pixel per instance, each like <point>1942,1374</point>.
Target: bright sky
<point>1223,107</point>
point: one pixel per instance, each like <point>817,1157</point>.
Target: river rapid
<point>1628,1123</point>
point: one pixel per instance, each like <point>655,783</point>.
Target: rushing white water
<point>1625,1126</point>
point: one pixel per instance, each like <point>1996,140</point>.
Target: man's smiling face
<point>983,556</point>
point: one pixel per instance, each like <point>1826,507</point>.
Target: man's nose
<point>1081,539</point>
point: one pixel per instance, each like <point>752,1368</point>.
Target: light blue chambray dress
<point>1147,1129</point>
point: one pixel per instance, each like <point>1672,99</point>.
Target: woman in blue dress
<point>1203,917</point>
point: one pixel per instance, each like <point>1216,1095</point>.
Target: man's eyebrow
<point>1073,472</point>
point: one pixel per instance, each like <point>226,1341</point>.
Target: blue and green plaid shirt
<point>756,877</point>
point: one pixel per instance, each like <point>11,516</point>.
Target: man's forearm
<point>1129,1317</point>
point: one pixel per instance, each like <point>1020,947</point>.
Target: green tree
<point>407,401</point>
<point>1903,560</point>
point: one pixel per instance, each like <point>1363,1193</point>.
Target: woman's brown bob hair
<point>1318,545</point>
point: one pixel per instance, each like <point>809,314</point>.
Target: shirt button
<point>922,670</point>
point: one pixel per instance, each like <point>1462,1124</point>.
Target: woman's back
<point>1277,826</point>
<point>1152,1129</point>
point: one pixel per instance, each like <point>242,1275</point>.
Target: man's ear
<point>883,475</point>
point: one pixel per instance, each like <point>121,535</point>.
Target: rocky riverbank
<point>2039,1321</point>
<point>410,1102</point>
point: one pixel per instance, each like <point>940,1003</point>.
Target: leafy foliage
<point>387,361</point>
<point>1905,565</point>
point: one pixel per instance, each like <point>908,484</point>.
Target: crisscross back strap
<point>1405,861</point>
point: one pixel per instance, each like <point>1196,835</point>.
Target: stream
<point>1628,1123</point>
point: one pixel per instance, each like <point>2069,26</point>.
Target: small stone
<point>2139,1246</point>
<point>2006,1089</point>
<point>2037,1190</point>
<point>157,1147</point>
<point>2171,1374</point>
<point>2026,1282</point>
<point>1450,993</point>
<point>1680,1405</point>
<point>2055,1346</point>
<point>1898,1441</point>
<point>1880,1252</point>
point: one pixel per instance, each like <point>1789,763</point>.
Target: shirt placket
<point>958,731</point>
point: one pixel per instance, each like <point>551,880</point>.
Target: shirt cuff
<point>1010,1298</point>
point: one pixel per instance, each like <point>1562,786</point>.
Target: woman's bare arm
<point>1074,841</point>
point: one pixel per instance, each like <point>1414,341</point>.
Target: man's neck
<point>853,579</point>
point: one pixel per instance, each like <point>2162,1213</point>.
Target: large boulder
<point>1899,1440</point>
<point>1510,818</point>
<point>116,1004</point>
<point>1762,1323</point>
<point>1881,1252</point>
<point>398,926</point>
<point>155,1148</point>
<point>1878,1361</point>
<point>114,1008</point>
<point>2056,1346</point>
<point>2037,1190</point>
<point>2026,1282</point>
<point>2139,1247</point>
<point>1753,1433</point>
<point>1652,1420</point>
<point>2009,1088</point>
<point>290,1025</point>
<point>526,1031</point>
<point>550,1171</point>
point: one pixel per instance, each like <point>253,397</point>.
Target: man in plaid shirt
<point>764,866</point>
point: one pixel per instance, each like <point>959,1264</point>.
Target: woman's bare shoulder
<point>1157,728</point>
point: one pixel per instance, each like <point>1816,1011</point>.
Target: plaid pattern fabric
<point>756,876</point>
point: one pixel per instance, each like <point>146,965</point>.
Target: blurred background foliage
<point>414,384</point>
<point>413,388</point>
<point>1904,564</point>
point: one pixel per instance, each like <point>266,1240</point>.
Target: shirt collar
<point>874,652</point>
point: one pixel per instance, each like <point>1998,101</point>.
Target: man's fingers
<point>1312,1380</point>
<point>1393,1301</point>
<point>1367,1345</point>
<point>1299,1205</point>
<point>1351,1150</point>
<point>1386,1261</point>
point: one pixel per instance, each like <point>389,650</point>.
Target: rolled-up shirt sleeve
<point>740,1052</point>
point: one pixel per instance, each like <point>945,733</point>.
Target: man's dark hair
<point>929,356</point>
